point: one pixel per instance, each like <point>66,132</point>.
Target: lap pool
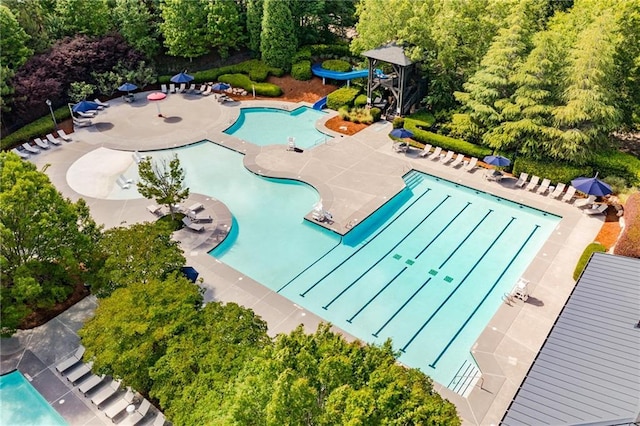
<point>22,405</point>
<point>427,270</point>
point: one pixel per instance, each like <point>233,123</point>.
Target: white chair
<point>163,88</point>
<point>159,420</point>
<point>21,154</point>
<point>544,186</point>
<point>569,194</point>
<point>425,151</point>
<point>291,143</point>
<point>64,136</point>
<point>559,188</point>
<point>207,91</point>
<point>30,149</point>
<point>172,88</point>
<point>473,163</point>
<point>533,183</point>
<point>79,372</point>
<point>42,144</point>
<point>600,209</point>
<point>126,179</point>
<point>447,158</point>
<point>122,184</point>
<point>459,159</point>
<point>88,114</point>
<point>102,104</point>
<point>52,139</point>
<point>522,180</point>
<point>153,209</point>
<point>183,88</point>
<point>583,202</point>
<point>436,153</point>
<point>193,226</point>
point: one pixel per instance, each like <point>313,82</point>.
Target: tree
<point>79,90</point>
<point>627,58</point>
<point>278,43</point>
<point>254,23</point>
<point>163,182</point>
<point>92,18</point>
<point>184,27</point>
<point>224,26</point>
<point>136,24</point>
<point>47,241</point>
<point>13,41</point>
<point>136,254</point>
<point>32,17</point>
<point>132,328</point>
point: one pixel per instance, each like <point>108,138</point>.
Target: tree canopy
<point>278,42</point>
<point>163,181</point>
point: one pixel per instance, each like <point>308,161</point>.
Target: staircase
<point>465,379</point>
<point>413,179</point>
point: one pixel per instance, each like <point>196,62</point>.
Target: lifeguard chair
<point>521,289</point>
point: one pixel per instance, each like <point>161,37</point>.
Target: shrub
<point>37,128</point>
<point>376,113</point>
<point>336,65</point>
<point>341,97</point>
<point>398,122</point>
<point>617,163</point>
<point>629,242</point>
<point>360,101</point>
<point>301,70</point>
<point>257,70</point>
<point>586,255</point>
<point>241,80</point>
<point>330,50</point>
<point>304,54</point>
<point>343,112</point>
<point>425,117</point>
<point>457,145</point>
<point>618,184</point>
<point>554,171</point>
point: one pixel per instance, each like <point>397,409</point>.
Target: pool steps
<point>465,379</point>
<point>413,179</point>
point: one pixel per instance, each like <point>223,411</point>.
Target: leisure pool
<point>22,405</point>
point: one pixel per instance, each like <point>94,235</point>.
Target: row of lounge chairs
<point>103,392</point>
<point>41,144</point>
<point>204,90</point>
<point>450,158</point>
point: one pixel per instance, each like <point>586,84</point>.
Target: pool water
<point>21,404</point>
<point>269,126</point>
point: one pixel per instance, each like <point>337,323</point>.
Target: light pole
<point>55,123</point>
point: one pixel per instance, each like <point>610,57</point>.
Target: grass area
<point>586,255</point>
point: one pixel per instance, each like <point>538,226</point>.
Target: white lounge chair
<point>425,151</point>
<point>522,180</point>
<point>52,139</point>
<point>193,89</point>
<point>79,372</point>
<point>120,405</point>
<point>199,218</point>
<point>196,207</point>
<point>172,88</point>
<point>582,202</point>
<point>571,192</point>
<point>137,157</point>
<point>159,420</point>
<point>87,114</point>
<point>559,188</point>
<point>30,149</point>
<point>163,89</point>
<point>71,361</point>
<point>203,88</point>
<point>153,209</point>
<point>183,88</point>
<point>436,153</point>
<point>544,186</point>
<point>82,123</point>
<point>90,384</point>
<point>447,158</point>
<point>21,154</point>
<point>600,209</point>
<point>207,91</point>
<point>126,179</point>
<point>102,104</point>
<point>64,136</point>
<point>533,183</point>
<point>400,147</point>
<point>137,416</point>
<point>193,226</point>
<point>106,393</point>
<point>458,160</point>
<point>42,144</point>
<point>122,184</point>
<point>473,163</point>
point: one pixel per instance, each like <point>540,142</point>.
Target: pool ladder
<point>351,223</point>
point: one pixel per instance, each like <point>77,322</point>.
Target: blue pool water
<point>427,270</point>
<point>21,404</point>
<point>269,126</point>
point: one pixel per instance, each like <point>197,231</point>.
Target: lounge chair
<point>106,393</point>
<point>202,88</point>
<point>400,147</point>
<point>71,361</point>
<point>193,89</point>
<point>159,420</point>
<point>52,139</point>
<point>198,218</point>
<point>196,207</point>
<point>172,88</point>
<point>102,104</point>
<point>559,188</point>
<point>126,179</point>
<point>473,163</point>
<point>494,175</point>
<point>458,160</point>
<point>571,192</point>
<point>163,89</point>
<point>183,88</point>
<point>21,154</point>
<point>122,184</point>
<point>42,144</point>
<point>90,384</point>
<point>153,209</point>
<point>207,91</point>
<point>82,123</point>
<point>291,144</point>
<point>193,226</point>
<point>79,372</point>
<point>137,157</point>
<point>137,416</point>
<point>436,153</point>
<point>533,183</point>
<point>425,151</point>
<point>582,202</point>
<point>120,405</point>
<point>87,114</point>
<point>64,136</point>
<point>522,180</point>
<point>447,158</point>
<point>600,209</point>
<point>30,149</point>
<point>544,186</point>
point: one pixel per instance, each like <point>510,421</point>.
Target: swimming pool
<point>21,404</point>
<point>269,126</point>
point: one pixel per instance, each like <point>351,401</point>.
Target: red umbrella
<point>157,96</point>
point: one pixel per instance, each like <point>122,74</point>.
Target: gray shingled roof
<point>588,370</point>
<point>391,53</point>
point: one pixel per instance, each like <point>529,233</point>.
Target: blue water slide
<point>320,103</point>
<point>317,70</point>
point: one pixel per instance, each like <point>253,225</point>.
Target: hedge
<point>617,163</point>
<point>341,97</point>
<point>38,128</point>
<point>326,50</point>
<point>629,242</point>
<point>257,71</point>
<point>457,145</point>
<point>586,255</point>
<point>336,65</point>
<point>554,171</point>
<point>301,70</point>
<point>241,80</point>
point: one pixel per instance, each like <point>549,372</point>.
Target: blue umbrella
<point>127,87</point>
<point>84,106</point>
<point>591,186</point>
<point>497,160</point>
<point>183,77</point>
<point>220,86</point>
<point>401,133</point>
<point>190,272</point>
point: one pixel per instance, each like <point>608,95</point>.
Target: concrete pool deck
<point>354,176</point>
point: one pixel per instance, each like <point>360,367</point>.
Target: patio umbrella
<point>401,133</point>
<point>220,87</point>
<point>157,96</point>
<point>127,87</point>
<point>190,272</point>
<point>591,186</point>
<point>84,106</point>
<point>183,77</point>
<point>497,160</point>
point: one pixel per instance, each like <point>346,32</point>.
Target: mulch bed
<point>41,316</point>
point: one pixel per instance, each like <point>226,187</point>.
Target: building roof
<point>391,53</point>
<point>588,370</point>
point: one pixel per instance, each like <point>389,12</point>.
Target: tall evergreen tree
<point>254,23</point>
<point>184,27</point>
<point>627,60</point>
<point>278,42</point>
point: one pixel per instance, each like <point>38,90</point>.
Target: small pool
<point>21,404</point>
<point>270,126</point>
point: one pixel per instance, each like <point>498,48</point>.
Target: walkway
<point>354,176</point>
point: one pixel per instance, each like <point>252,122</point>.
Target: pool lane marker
<point>465,238</point>
<point>404,348</point>
<point>376,295</point>
<point>384,255</point>
<point>311,265</point>
<point>303,294</point>
<point>443,229</point>
<point>455,336</point>
<point>401,308</point>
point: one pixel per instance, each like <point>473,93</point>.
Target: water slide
<point>317,70</point>
<point>320,103</point>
